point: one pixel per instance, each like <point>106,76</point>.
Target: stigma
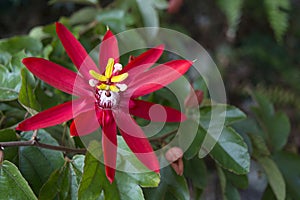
<point>108,85</point>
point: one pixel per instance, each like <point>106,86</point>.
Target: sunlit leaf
<point>26,96</point>
<point>13,184</point>
<point>37,164</point>
<point>231,152</point>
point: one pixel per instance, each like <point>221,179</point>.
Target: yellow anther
<point>119,78</point>
<point>103,87</point>
<point>97,76</point>
<point>109,68</point>
<point>114,88</point>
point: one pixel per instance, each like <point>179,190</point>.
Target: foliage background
<point>256,47</point>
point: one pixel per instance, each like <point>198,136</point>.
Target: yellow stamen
<point>97,76</point>
<point>114,88</point>
<point>109,68</point>
<point>119,78</point>
<point>103,87</point>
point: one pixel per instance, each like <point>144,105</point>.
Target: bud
<point>1,154</point>
<point>194,99</point>
<point>174,6</point>
<point>174,156</point>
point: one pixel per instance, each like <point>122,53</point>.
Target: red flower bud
<point>174,156</point>
<point>174,6</point>
<point>194,99</point>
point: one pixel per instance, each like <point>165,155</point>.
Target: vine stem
<point>34,142</point>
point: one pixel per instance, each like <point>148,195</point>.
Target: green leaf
<point>238,181</point>
<point>13,185</point>
<point>196,171</point>
<point>26,96</point>
<point>172,186</point>
<point>231,113</point>
<point>274,176</point>
<point>288,164</point>
<point>113,18</point>
<point>37,164</point>
<point>277,11</point>
<point>63,183</point>
<point>11,153</point>
<point>197,141</point>
<point>233,11</point>
<point>83,16</point>
<point>275,125</point>
<point>231,152</point>
<point>10,79</point>
<point>94,179</point>
<point>87,2</point>
<point>228,190</point>
<point>150,15</point>
<point>16,44</point>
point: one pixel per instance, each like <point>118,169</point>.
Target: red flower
<point>106,95</point>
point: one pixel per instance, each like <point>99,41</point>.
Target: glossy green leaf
<point>63,183</point>
<point>10,153</point>
<point>288,164</point>
<point>27,96</point>
<point>274,176</point>
<point>231,114</point>
<point>113,18</point>
<point>13,184</point>
<point>19,43</point>
<point>10,79</point>
<point>195,146</point>
<point>195,170</point>
<point>37,164</point>
<point>231,152</point>
<point>172,186</point>
<point>94,179</point>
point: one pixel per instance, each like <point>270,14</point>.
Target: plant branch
<point>163,136</point>
<point>35,142</point>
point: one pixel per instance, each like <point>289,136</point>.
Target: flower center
<point>107,85</point>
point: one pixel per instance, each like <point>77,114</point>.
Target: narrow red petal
<point>85,123</point>
<point>108,49</point>
<point>155,112</point>
<point>109,143</point>
<point>143,61</point>
<point>136,140</point>
<point>158,77</point>
<point>75,50</point>
<point>55,115</point>
<point>57,76</point>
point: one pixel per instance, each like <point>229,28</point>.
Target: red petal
<point>158,77</point>
<point>136,140</point>
<point>57,76</point>
<point>108,49</point>
<point>143,61</point>
<point>55,115</point>
<point>109,143</point>
<point>85,123</point>
<point>75,50</point>
<point>158,114</point>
